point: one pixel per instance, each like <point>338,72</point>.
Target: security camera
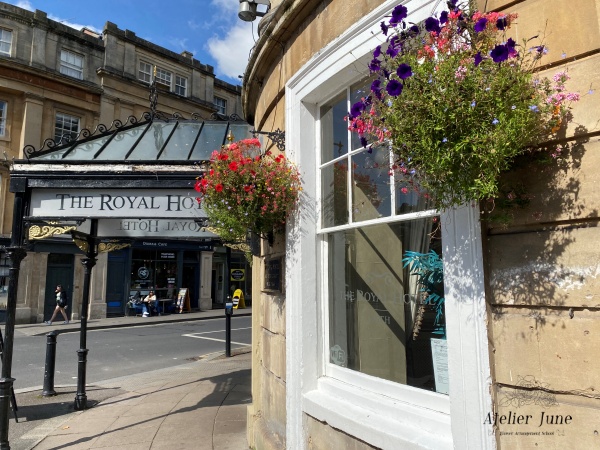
<point>248,9</point>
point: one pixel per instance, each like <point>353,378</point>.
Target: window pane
<point>71,64</point>
<point>180,85</point>
<point>386,316</point>
<point>180,144</point>
<point>334,129</point>
<point>5,41</point>
<point>145,72</point>
<point>120,145</point>
<point>221,105</point>
<point>335,194</point>
<point>358,92</point>
<point>163,77</point>
<point>410,198</point>
<point>2,118</point>
<point>152,142</point>
<point>371,192</point>
<point>66,128</point>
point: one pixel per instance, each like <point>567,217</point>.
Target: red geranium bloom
<point>233,166</point>
<point>247,188</point>
<point>219,187</point>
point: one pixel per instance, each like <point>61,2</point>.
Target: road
<point>125,351</point>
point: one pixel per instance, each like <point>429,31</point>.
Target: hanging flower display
<point>457,101</point>
<point>245,191</point>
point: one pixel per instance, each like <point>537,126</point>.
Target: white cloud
<point>226,6</point>
<point>25,5</point>
<point>232,51</point>
<point>77,26</point>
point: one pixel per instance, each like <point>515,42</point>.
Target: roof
<point>152,138</point>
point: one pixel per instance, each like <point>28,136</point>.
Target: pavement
<point>200,405</point>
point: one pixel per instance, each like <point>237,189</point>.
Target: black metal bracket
<point>277,137</point>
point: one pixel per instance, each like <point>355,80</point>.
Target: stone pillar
<point>205,301</point>
<point>31,131</point>
<point>97,307</point>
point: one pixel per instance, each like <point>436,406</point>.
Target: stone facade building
<point>57,82</point>
<point>334,366</point>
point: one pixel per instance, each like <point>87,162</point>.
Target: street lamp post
<point>16,253</point>
<point>88,243</point>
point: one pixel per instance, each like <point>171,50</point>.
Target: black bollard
<point>50,364</point>
<point>228,314</point>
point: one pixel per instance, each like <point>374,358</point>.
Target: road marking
<point>220,331</point>
<point>194,335</point>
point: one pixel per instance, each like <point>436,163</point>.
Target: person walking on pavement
<point>61,304</point>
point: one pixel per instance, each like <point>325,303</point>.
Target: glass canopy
<point>152,140</point>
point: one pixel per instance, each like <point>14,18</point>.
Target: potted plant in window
<point>457,101</point>
<point>245,190</point>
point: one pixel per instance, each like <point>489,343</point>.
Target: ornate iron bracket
<point>277,137</point>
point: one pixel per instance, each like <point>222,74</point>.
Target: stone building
<point>334,364</point>
<point>58,84</point>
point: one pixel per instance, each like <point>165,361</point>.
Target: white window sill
<point>389,424</point>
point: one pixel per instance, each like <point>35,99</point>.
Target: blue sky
<point>210,29</point>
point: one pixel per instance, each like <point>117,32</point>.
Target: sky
<point>210,29</point>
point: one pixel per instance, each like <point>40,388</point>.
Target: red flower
<point>247,188</point>
<point>223,156</point>
<point>233,166</point>
<point>219,187</point>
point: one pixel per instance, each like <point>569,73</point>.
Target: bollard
<point>228,314</point>
<point>50,363</point>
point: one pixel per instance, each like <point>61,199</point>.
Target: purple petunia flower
<point>357,109</point>
<point>377,52</point>
<point>376,85</point>
<point>399,13</point>
<point>499,53</point>
<point>363,141</point>
<point>478,58</point>
<point>394,88</point>
<point>444,17</point>
<point>414,29</point>
<point>480,24</point>
<point>510,45</point>
<point>374,65</point>
<point>432,25</point>
<point>404,71</point>
<point>501,23</point>
<point>384,28</point>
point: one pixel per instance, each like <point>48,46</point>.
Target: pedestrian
<point>149,304</point>
<point>61,304</point>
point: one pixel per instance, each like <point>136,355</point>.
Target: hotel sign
<point>116,203</point>
<point>172,228</point>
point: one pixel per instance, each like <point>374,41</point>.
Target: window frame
<point>2,41</point>
<point>360,405</point>
<point>140,71</point>
<point>164,77</point>
<point>180,86</point>
<point>69,67</point>
<point>65,115</point>
<point>221,108</point>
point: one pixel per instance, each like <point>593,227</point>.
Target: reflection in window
<point>371,193</point>
<point>335,194</point>
<point>386,302</point>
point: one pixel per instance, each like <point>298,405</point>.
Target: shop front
<point>132,185</point>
